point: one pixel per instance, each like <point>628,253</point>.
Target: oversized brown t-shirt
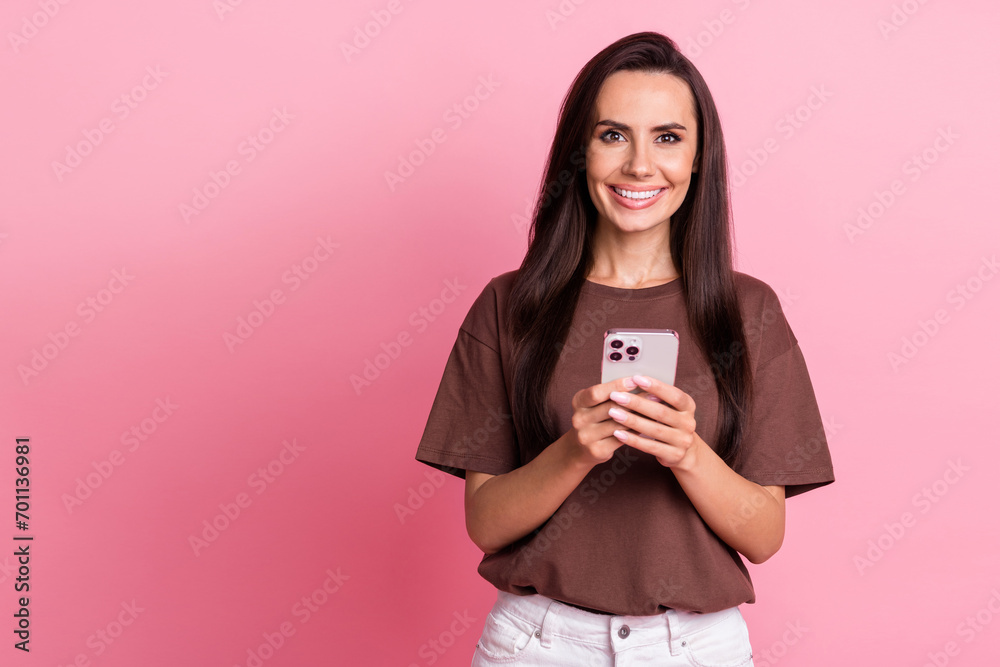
<point>627,540</point>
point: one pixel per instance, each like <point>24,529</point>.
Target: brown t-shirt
<point>627,540</point>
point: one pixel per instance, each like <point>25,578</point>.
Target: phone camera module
<point>616,343</point>
<point>632,350</point>
<point>615,356</point>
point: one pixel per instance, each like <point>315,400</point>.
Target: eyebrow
<point>659,128</point>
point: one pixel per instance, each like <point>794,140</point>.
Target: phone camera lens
<point>615,356</point>
<point>616,344</point>
<point>632,349</point>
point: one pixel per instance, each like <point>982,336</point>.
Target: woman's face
<point>644,141</point>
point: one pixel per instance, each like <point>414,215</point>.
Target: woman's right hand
<point>591,439</point>
<point>500,509</point>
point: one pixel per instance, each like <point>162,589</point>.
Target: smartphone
<point>651,352</point>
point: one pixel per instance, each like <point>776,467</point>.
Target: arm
<point>500,509</point>
<point>747,516</point>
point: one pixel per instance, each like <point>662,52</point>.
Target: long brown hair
<point>547,287</point>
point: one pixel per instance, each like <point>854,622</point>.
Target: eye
<point>605,136</point>
<point>673,138</point>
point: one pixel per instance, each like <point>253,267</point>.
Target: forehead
<point>645,99</point>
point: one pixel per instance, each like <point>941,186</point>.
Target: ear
<point>694,165</point>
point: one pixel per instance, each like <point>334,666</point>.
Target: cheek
<point>597,173</point>
<point>596,169</point>
<point>601,163</point>
<point>679,168</point>
<point>596,197</point>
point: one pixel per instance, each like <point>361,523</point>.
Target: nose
<point>639,162</point>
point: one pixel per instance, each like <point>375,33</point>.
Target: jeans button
<point>623,631</point>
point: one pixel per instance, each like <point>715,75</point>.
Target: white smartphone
<point>651,352</point>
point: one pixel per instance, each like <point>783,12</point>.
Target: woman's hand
<point>662,422</point>
<point>591,439</point>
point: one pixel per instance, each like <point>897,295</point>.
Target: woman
<point>613,522</point>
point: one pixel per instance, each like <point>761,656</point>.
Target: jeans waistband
<point>556,618</point>
<point>588,609</point>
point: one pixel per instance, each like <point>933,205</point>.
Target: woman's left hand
<point>668,433</point>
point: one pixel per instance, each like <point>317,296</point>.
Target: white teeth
<point>629,194</point>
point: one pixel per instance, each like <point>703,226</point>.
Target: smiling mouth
<point>638,195</point>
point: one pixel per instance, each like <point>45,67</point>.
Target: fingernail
<point>621,397</point>
<point>629,383</point>
<point>621,435</point>
<point>616,414</point>
<point>642,381</point>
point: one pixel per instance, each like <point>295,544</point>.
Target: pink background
<point>871,572</point>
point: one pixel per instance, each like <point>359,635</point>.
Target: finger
<point>645,404</point>
<point>676,435</point>
<point>600,440</point>
<point>667,392</point>
<point>655,409</point>
<point>621,384</point>
<point>598,429</point>
<point>590,397</point>
<point>643,425</point>
<point>663,452</point>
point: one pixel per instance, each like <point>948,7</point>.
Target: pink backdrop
<point>217,213</point>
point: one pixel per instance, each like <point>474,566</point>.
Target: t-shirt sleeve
<point>470,425</point>
<point>785,444</point>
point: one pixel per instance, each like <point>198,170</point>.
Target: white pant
<point>535,630</point>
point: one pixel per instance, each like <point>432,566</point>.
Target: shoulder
<point>758,300</point>
<point>754,291</point>
<point>503,283</point>
<point>763,317</point>
<point>496,290</point>
<point>487,313</point>
<point>498,287</point>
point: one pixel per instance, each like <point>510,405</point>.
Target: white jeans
<point>535,630</point>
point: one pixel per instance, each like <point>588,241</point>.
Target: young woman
<point>613,522</point>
